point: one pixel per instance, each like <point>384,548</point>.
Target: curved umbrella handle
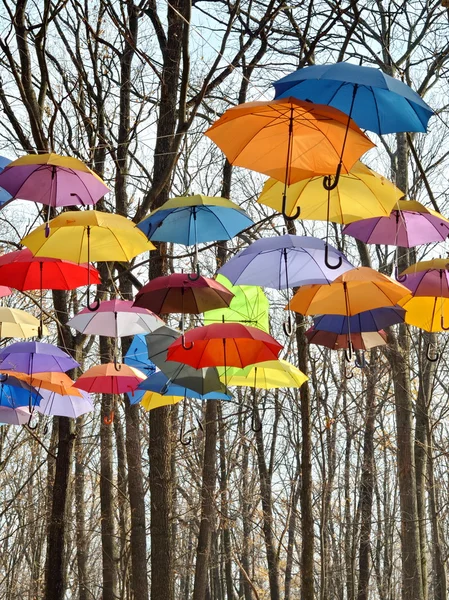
<point>93,307</point>
<point>32,427</point>
<point>400,278</point>
<point>184,345</point>
<point>108,420</point>
<point>348,352</point>
<point>326,259</point>
<point>432,358</point>
<point>185,441</point>
<point>442,324</point>
<point>287,326</point>
<point>284,206</point>
<point>330,185</point>
<point>361,364</point>
<point>117,366</point>
<point>349,374</point>
<point>194,276</point>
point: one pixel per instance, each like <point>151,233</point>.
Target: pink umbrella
<point>14,416</point>
<point>5,291</point>
<point>67,405</point>
<point>105,379</point>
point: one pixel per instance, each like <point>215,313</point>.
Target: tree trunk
<point>81,541</point>
<point>207,503</point>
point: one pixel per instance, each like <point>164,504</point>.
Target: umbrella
<point>53,180</point>
<point>137,356</point>
<point>225,344</point>
<point>17,416</point>
<point>115,318</point>
<point>35,357</point>
<point>53,381</point>
<point>249,306</point>
<point>105,379</point>
<point>152,400</point>
<point>369,320</point>
<point>5,291</point>
<point>158,382</point>
<point>15,393</point>
<point>285,261</point>
<point>267,375</point>
<point>4,195</point>
<point>17,323</point>
<point>374,100</point>
<point>192,220</point>
<point>410,224</point>
<point>203,380</point>
<point>427,278</point>
<point>360,194</point>
<point>85,236</point>
<point>359,341</point>
<point>289,140</point>
<point>426,312</point>
<point>71,405</point>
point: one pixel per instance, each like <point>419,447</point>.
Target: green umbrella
<point>249,306</point>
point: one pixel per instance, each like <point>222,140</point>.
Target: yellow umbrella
<point>352,292</point>
<point>152,400</point>
<point>360,194</point>
<point>426,312</point>
<point>17,323</point>
<point>439,264</point>
<point>267,375</point>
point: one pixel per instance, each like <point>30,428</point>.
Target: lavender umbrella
<point>369,320</point>
<point>67,405</point>
<point>14,416</point>
<point>35,357</point>
<point>285,261</point>
<point>411,224</point>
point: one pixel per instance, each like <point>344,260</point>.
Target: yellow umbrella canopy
<point>152,400</point>
<point>360,194</point>
<point>430,313</point>
<point>352,292</point>
<point>17,323</point>
<point>84,236</point>
<point>267,375</point>
<point>439,264</point>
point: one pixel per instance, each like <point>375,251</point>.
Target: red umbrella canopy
<point>224,344</point>
<point>106,379</point>
<point>178,294</point>
<point>23,271</point>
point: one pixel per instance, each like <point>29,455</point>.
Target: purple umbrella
<point>410,225</point>
<point>35,357</point>
<point>433,282</point>
<point>53,404</point>
<point>285,261</point>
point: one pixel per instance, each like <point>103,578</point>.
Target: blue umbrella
<point>137,356</point>
<point>376,101</point>
<point>370,320</point>
<point>4,195</point>
<point>15,393</point>
<point>158,383</point>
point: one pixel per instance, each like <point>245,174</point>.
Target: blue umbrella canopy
<point>15,393</point>
<point>372,98</point>
<point>369,320</point>
<point>4,195</point>
<point>137,356</point>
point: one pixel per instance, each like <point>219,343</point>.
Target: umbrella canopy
<point>5,291</point>
<point>249,306</point>
<point>374,100</point>
<point>195,219</point>
<point>52,381</point>
<point>115,318</point>
<point>266,375</point>
<point>137,356</point>
<point>203,380</point>
<point>178,294</point>
<point>353,292</point>
<point>14,416</point>
<point>35,357</point>
<point>22,271</point>
<point>15,393</point>
<point>409,225</point>
<point>4,195</point>
<point>158,382</point>
<point>369,320</point>
<point>430,313</point>
<point>52,179</point>
<point>151,400</point>
<point>224,344</point>
<point>106,379</point>
<point>284,261</point>
<point>288,139</point>
<point>84,236</point>
<point>70,405</point>
<point>432,282</point>
<point>360,194</point>
<point>359,341</point>
<point>17,323</point>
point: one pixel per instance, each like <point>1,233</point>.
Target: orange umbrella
<point>289,139</point>
<point>60,383</point>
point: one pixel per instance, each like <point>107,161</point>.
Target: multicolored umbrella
<point>70,405</point>
<point>369,320</point>
<point>225,344</point>
<point>105,379</point>
<point>358,341</point>
<point>35,357</point>
<point>137,356</point>
<point>374,100</point>
<point>289,140</point>
<point>249,306</point>
<point>14,416</point>
<point>15,323</point>
<point>202,381</point>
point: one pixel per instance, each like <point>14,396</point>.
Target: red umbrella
<point>359,341</point>
<point>178,294</point>
<point>105,379</point>
<point>23,271</point>
<point>224,344</point>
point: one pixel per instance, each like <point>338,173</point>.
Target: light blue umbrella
<point>4,195</point>
<point>137,356</point>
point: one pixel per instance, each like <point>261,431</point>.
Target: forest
<point>334,490</point>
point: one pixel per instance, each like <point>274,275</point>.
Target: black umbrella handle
<point>432,357</point>
<point>326,259</point>
<point>195,276</point>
